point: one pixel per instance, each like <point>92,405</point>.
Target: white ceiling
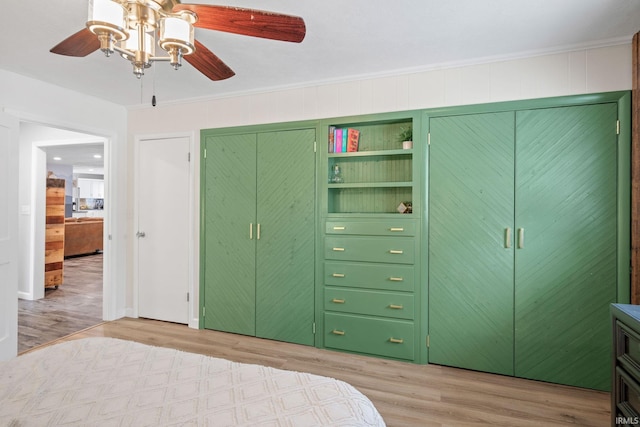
<point>345,40</point>
<point>84,153</point>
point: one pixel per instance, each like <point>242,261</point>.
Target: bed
<point>113,382</point>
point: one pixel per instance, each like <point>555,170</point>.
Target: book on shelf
<point>332,141</point>
<point>343,140</point>
<point>353,137</point>
<point>338,140</point>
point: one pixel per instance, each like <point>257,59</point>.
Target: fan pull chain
<point>153,97</point>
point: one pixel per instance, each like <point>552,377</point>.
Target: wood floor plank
<point>405,394</point>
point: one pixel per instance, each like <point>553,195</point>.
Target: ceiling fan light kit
<point>130,27</point>
<point>136,28</point>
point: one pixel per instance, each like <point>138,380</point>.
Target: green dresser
<point>369,286</point>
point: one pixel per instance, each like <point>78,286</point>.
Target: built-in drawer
<point>399,250</point>
<point>382,337</point>
<point>627,347</point>
<point>375,303</point>
<point>393,277</point>
<point>627,394</point>
<point>391,227</point>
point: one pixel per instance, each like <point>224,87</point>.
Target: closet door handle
<point>251,231</point>
<point>520,238</point>
<point>507,237</point>
<point>258,235</point>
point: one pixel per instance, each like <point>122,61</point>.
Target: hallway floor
<point>74,306</point>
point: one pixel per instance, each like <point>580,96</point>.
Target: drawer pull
<point>337,275</point>
<point>337,332</point>
<point>396,279</point>
<point>339,228</point>
<point>338,249</point>
<point>396,229</point>
<point>337,301</point>
<point>393,251</point>
<point>396,340</point>
<point>395,306</point>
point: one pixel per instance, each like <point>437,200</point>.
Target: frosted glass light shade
<point>131,44</point>
<point>107,16</point>
<point>176,33</point>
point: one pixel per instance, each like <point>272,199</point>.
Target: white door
<point>163,232</point>
<point>8,237</point>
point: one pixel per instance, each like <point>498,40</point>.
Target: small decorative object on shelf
<point>406,138</point>
<point>336,175</point>
<point>405,207</point>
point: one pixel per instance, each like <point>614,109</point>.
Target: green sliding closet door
<point>566,177</point>
<point>471,204</point>
<point>230,206</point>
<point>285,251</point>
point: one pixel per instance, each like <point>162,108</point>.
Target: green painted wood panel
<point>286,249</point>
<point>230,206</point>
<point>471,204</point>
<point>371,335</point>
<point>566,194</point>
<point>372,303</point>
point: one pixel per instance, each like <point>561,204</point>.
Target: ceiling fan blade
<point>81,43</point>
<point>208,64</point>
<point>248,22</point>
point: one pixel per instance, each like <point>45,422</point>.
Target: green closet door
<point>566,272</point>
<point>470,266</point>
<point>285,251</point>
<point>229,269</point>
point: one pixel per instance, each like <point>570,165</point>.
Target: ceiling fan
<point>133,28</point>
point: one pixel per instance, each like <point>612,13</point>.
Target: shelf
<point>394,152</point>
<point>371,185</point>
<point>378,177</point>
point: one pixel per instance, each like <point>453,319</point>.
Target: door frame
<point>193,225</point>
<point>9,255</point>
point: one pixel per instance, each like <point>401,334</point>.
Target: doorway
<point>45,314</point>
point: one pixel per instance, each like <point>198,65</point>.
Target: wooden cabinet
<point>54,233</point>
<point>523,222</point>
<point>371,251</point>
<point>258,243</point>
<point>625,366</point>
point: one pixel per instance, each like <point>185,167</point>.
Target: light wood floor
<point>405,394</point>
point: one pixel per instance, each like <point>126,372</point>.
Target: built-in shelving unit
<point>370,245</point>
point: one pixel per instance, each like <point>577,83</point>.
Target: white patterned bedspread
<point>110,382</point>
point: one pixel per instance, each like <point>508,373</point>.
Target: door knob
<point>140,234</point>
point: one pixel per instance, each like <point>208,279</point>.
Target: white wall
<point>593,70</point>
<point>34,101</point>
